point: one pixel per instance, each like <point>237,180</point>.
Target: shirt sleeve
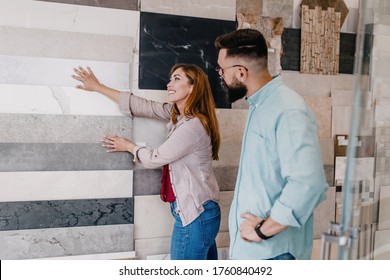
<point>181,142</point>
<point>132,105</point>
<point>301,168</point>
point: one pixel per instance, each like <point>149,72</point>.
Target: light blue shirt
<point>281,173</point>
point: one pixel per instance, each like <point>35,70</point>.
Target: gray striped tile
<point>65,213</point>
<point>61,157</point>
<point>17,128</point>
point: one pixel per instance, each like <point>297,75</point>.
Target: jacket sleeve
<point>132,105</point>
<point>182,141</point>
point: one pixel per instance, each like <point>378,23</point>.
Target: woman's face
<point>179,88</point>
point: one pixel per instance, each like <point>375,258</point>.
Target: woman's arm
<point>91,83</point>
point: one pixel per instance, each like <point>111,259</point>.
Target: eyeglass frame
<point>219,69</point>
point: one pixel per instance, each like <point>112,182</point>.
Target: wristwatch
<point>259,233</point>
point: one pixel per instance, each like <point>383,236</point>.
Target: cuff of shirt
<point>284,215</point>
<point>124,103</point>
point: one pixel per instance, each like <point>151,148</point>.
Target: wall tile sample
<point>147,181</point>
<point>221,9</point>
<point>291,40</point>
<point>17,128</point>
<point>65,213</point>
<point>65,185</point>
<point>55,242</point>
<point>115,4</point>
<point>57,157</point>
<point>384,208</point>
<point>168,39</point>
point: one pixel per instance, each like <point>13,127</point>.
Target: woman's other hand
<point>87,77</point>
<point>117,144</point>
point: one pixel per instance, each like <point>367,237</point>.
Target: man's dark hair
<point>244,43</point>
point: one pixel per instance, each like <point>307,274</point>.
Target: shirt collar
<point>259,96</point>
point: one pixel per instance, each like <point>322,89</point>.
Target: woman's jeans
<point>196,241</point>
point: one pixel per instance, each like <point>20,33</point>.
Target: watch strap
<point>259,233</point>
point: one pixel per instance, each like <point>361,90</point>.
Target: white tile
<point>59,242</point>
<point>152,246</point>
<point>364,168</point>
<point>221,9</point>
<point>149,131</point>
<point>63,185</point>
<point>67,17</point>
<point>25,99</point>
<point>152,217</point>
<point>58,72</point>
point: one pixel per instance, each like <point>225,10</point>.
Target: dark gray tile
<point>65,213</point>
<point>116,4</point>
<point>61,157</point>
<point>147,181</point>
<point>329,174</point>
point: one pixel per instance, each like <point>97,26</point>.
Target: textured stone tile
<point>58,242</point>
<point>147,182</point>
<point>60,157</point>
<point>103,256</point>
<point>222,9</point>
<point>63,185</point>
<point>17,128</point>
<point>61,44</point>
<point>67,17</point>
<point>58,72</point>
<point>364,168</point>
<point>115,4</point>
<point>65,213</point>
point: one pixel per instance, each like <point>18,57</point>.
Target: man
<point>281,177</point>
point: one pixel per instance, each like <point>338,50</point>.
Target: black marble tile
<point>169,39</point>
<point>61,157</point>
<point>65,213</point>
<point>115,4</point>
<point>291,40</point>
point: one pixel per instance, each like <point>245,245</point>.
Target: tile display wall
<point>61,194</point>
<point>87,204</point>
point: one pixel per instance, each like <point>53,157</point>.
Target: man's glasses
<point>221,71</point>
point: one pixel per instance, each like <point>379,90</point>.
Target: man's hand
<point>247,227</point>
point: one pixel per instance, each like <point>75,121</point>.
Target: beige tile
<point>231,124</point>
<point>382,245</point>
<point>229,154</point>
<point>316,252</point>
<point>322,108</point>
<point>325,213</point>
<point>327,150</point>
<point>384,208</point>
<point>225,202</point>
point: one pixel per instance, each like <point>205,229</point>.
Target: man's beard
<point>235,91</point>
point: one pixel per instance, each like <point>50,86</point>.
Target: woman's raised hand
<point>86,76</point>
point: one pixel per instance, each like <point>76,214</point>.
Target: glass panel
<point>364,230</point>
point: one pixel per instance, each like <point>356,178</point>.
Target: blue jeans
<point>196,241</point>
<point>285,256</point>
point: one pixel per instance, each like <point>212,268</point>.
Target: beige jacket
<point>188,151</point>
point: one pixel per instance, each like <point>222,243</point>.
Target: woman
<point>193,141</point>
